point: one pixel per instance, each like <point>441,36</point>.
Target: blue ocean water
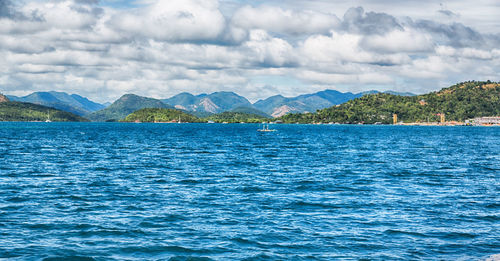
<point>111,191</point>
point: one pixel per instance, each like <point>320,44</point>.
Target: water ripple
<point>87,191</point>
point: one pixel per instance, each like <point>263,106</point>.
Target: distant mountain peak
<point>216,102</point>
<point>124,106</point>
<point>280,111</point>
<point>208,105</point>
<point>3,98</point>
<point>129,96</point>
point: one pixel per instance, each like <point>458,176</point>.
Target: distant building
<point>484,121</point>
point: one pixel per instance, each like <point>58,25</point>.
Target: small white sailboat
<point>265,128</point>
<point>48,117</point>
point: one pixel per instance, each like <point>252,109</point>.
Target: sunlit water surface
<point>114,191</point>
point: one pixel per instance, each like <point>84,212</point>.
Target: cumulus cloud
<point>345,48</point>
<point>356,20</point>
<point>278,20</point>
<point>455,34</point>
<point>6,9</point>
<point>173,20</point>
<point>160,48</point>
<point>447,13</point>
<point>468,53</point>
<point>269,51</point>
<point>407,40</point>
<point>333,78</point>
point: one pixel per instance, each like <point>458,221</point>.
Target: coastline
<point>417,124</point>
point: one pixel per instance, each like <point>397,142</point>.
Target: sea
<point>119,191</point>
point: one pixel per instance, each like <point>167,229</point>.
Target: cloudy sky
<point>158,48</point>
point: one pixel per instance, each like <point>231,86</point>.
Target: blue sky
<point>104,49</point>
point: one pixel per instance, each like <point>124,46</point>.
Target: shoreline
<point>416,124</point>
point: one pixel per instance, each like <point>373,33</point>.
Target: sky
<point>103,49</point>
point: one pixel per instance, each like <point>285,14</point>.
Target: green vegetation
<point>200,114</point>
<point>236,117</point>
<point>459,102</point>
<point>122,107</point>
<point>160,115</point>
<point>20,111</point>
<point>173,115</point>
<point>248,110</point>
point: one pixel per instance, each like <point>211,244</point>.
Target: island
<point>455,104</point>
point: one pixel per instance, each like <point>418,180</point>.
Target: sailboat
<point>265,128</point>
<point>48,117</point>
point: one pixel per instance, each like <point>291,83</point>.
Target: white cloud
<point>469,53</point>
<point>278,20</point>
<point>341,48</point>
<point>399,41</point>
<point>431,67</point>
<point>269,51</point>
<point>161,48</point>
<point>173,20</point>
<point>363,78</point>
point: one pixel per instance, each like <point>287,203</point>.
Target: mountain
<point>124,106</point>
<point>160,115</point>
<point>202,105</point>
<point>60,100</point>
<point>278,105</point>
<point>249,110</point>
<point>23,111</point>
<point>184,101</point>
<point>216,102</point>
<point>3,98</point>
<point>459,102</point>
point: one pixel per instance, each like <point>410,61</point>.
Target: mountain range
<point>278,105</point>
<point>199,105</point>
<point>24,111</point>
<point>274,106</point>
<point>62,101</point>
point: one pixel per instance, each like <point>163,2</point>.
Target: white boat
<point>265,128</point>
<point>48,117</point>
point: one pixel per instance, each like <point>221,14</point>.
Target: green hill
<point>124,106</point>
<point>459,102</point>
<point>173,115</point>
<point>160,115</point>
<point>20,111</point>
<point>236,117</point>
<point>249,110</point>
